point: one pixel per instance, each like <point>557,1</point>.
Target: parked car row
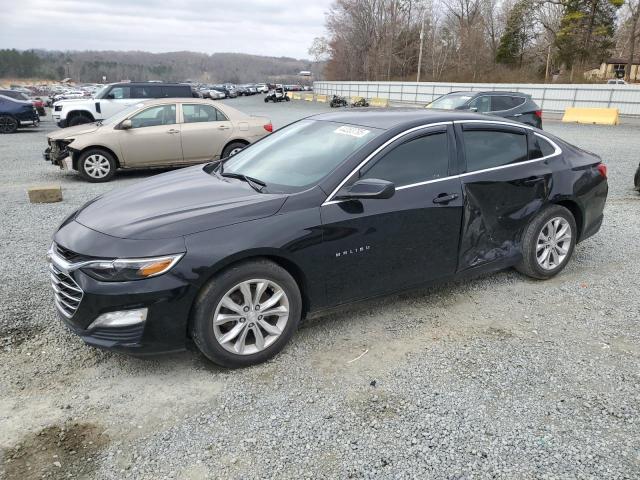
<point>37,102</point>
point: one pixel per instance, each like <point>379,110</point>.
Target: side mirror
<point>126,124</point>
<point>367,188</point>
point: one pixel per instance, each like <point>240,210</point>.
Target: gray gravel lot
<point>499,377</point>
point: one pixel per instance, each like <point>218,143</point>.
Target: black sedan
<point>331,209</point>
<point>511,105</point>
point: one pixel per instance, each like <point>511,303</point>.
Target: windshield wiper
<point>256,184</point>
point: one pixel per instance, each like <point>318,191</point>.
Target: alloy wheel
<point>235,150</point>
<point>554,242</point>
<point>7,124</point>
<point>97,166</point>
<point>251,316</point>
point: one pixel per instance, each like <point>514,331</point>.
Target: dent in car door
<point>500,198</point>
<point>154,138</point>
<point>377,246</point>
<point>205,131</point>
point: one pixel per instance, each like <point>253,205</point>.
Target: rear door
<point>505,183</point>
<point>508,106</point>
<point>377,246</point>
<point>153,139</point>
<point>205,131</point>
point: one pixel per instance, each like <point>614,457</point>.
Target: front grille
<point>68,293</point>
<point>69,255</point>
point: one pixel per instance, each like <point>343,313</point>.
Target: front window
<point>451,101</point>
<point>121,115</point>
<point>300,155</point>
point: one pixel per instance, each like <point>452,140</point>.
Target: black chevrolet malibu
<point>334,208</point>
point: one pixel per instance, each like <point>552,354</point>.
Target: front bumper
<point>167,298</point>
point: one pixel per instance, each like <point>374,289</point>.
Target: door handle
<point>517,115</point>
<point>445,198</point>
<point>173,130</point>
<point>532,180</point>
<point>223,127</point>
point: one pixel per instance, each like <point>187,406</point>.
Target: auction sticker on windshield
<point>352,131</point>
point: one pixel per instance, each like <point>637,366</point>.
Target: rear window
<point>146,91</point>
<point>505,102</point>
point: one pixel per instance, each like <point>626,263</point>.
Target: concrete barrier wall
<point>551,97</point>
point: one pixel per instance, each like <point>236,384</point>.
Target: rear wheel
<point>79,120</point>
<point>232,149</point>
<point>97,165</point>
<point>548,243</point>
<point>246,314</point>
<point>8,124</point>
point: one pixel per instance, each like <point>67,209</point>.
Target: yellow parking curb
<point>601,116</point>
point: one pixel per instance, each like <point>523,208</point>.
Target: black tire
<point>287,98</point>
<point>79,120</point>
<point>529,264</point>
<point>636,179</point>
<point>8,124</point>
<point>266,99</point>
<point>202,329</point>
<point>88,174</point>
<point>231,147</point>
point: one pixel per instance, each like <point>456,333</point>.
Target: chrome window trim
<point>329,198</point>
<point>557,152</point>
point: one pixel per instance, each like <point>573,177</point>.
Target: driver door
<point>377,246</point>
<point>153,139</point>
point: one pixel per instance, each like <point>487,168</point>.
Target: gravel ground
<point>499,377</point>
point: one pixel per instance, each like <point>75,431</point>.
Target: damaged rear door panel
<point>504,185</point>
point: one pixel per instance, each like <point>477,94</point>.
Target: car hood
<point>73,132</point>
<point>177,203</point>
<point>68,101</point>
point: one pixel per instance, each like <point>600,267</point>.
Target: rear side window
<point>493,148</point>
<point>193,113</point>
<point>176,91</point>
<point>418,160</point>
<point>501,102</point>
<point>539,147</point>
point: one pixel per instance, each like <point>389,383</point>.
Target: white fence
<point>550,97</point>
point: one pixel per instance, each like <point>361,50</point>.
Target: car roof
<point>148,84</point>
<point>488,92</point>
<point>388,118</point>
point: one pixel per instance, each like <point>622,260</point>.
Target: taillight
<point>538,113</point>
<point>602,169</point>
<point>268,127</point>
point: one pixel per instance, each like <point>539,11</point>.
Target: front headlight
<point>123,270</point>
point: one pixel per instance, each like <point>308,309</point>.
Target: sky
<point>262,27</point>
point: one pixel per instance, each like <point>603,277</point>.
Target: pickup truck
<point>113,98</point>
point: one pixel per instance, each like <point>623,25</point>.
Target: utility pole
<point>421,41</point>
<point>546,72</point>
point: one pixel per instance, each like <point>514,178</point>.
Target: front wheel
<point>232,149</point>
<point>97,165</point>
<point>246,314</point>
<point>548,243</point>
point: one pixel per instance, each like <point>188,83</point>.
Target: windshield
<point>118,117</point>
<point>300,155</point>
<point>451,101</point>
<point>101,91</point>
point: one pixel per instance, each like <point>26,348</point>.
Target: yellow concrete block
<point>45,194</point>
<point>321,98</point>
<point>356,99</point>
<point>602,116</point>
<point>296,96</point>
<point>308,97</point>
<point>379,102</point>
